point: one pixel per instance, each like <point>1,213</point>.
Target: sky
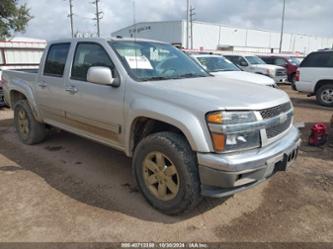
<point>302,16</point>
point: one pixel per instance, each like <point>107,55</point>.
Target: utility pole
<point>98,17</point>
<point>71,16</point>
<point>282,25</point>
<point>192,13</point>
<point>188,22</point>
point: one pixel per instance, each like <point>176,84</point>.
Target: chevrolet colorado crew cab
<point>189,134</point>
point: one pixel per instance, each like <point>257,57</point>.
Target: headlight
<point>227,132</point>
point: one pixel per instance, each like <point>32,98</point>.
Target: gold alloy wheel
<point>23,123</point>
<point>161,176</point>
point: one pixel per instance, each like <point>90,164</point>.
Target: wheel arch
<point>146,122</point>
<point>321,83</point>
<point>16,95</point>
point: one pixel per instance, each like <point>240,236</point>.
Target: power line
<point>71,16</point>
<point>188,2</point>
<point>282,25</point>
<point>192,13</point>
<point>98,17</point>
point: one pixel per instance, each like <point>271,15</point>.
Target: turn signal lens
<point>215,118</point>
<point>218,141</point>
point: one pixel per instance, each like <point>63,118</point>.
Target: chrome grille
<point>275,111</point>
<point>278,129</point>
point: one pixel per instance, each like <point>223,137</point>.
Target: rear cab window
<point>56,59</point>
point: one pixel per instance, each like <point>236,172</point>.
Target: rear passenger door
<point>50,84</point>
<point>95,110</point>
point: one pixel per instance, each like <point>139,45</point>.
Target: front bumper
<point>225,174</point>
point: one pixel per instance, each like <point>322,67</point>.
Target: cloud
<point>302,16</point>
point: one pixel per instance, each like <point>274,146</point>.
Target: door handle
<point>42,84</point>
<point>71,89</point>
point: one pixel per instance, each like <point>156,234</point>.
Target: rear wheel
<point>30,131</point>
<point>325,95</point>
<point>166,172</point>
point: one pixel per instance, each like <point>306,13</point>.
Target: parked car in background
<point>253,64</point>
<point>222,67</point>
<point>290,63</point>
<point>190,134</point>
<point>315,76</point>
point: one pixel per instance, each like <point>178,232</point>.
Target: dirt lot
<point>71,189</point>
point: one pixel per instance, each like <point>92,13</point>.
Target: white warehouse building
<point>210,37</point>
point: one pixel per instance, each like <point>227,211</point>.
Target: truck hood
<point>245,76</point>
<point>215,93</point>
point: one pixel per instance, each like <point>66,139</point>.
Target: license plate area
<point>281,162</point>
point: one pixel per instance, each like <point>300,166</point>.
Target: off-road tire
<point>177,149</point>
<point>37,131</point>
<point>319,95</point>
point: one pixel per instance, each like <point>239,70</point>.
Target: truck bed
<point>20,79</point>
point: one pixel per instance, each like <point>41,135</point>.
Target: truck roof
<point>104,39</point>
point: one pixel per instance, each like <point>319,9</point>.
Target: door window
<point>56,59</point>
<point>323,59</point>
<point>88,55</point>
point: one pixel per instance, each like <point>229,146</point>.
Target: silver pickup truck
<point>190,134</point>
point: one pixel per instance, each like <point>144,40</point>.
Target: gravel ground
<point>71,189</point>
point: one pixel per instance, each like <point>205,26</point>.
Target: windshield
<point>254,60</point>
<point>156,61</point>
<point>294,60</point>
<point>217,64</point>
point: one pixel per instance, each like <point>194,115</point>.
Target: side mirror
<point>243,63</point>
<point>101,75</point>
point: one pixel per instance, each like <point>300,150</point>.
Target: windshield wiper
<point>156,78</point>
<point>189,75</point>
<point>223,70</point>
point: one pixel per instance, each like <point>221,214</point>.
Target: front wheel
<point>166,172</point>
<point>325,95</point>
<point>30,131</point>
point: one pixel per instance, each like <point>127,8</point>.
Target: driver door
<point>94,109</point>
